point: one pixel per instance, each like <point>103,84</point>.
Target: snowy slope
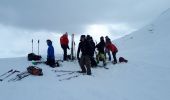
<point>150,43</point>
<point>145,77</point>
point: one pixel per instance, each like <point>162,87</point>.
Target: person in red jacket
<point>64,45</point>
<point>110,46</point>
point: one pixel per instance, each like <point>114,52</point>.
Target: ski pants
<point>50,62</point>
<point>101,57</point>
<point>93,62</point>
<point>107,51</point>
<point>85,64</point>
<point>114,57</point>
<point>64,47</point>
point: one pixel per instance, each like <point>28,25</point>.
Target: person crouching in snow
<point>50,54</point>
<point>101,54</point>
<point>110,46</point>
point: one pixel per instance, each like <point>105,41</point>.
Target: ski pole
<point>6,72</point>
<point>32,45</point>
<point>38,46</point>
<point>9,75</point>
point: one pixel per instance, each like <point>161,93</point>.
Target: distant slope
<point>150,43</point>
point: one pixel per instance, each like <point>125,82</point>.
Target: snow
<point>145,77</point>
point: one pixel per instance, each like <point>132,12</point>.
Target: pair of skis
<point>11,72</point>
<point>19,76</point>
<point>8,74</point>
<point>70,74</point>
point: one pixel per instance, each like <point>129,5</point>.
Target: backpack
<point>33,70</point>
<point>34,57</point>
<point>121,59</point>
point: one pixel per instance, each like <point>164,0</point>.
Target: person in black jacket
<point>101,54</point>
<point>86,51</point>
<point>92,44</point>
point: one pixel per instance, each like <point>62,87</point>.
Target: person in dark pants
<point>50,54</point>
<point>110,46</point>
<point>92,44</point>
<point>84,61</point>
<point>64,45</point>
<point>107,51</point>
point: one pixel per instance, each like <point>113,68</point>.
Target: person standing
<point>101,54</point>
<point>64,45</point>
<point>92,44</point>
<point>50,54</point>
<point>110,46</point>
<point>107,51</point>
<point>85,48</point>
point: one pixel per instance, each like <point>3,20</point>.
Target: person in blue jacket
<point>50,54</point>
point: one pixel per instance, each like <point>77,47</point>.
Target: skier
<point>101,54</point>
<point>107,51</point>
<point>50,54</point>
<point>93,62</point>
<point>110,46</point>
<point>64,45</point>
<point>84,61</point>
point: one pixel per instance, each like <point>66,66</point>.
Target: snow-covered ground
<point>145,77</point>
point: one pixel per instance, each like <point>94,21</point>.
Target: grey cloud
<point>74,15</point>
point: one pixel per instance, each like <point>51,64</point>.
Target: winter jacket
<point>64,40</point>
<point>100,46</point>
<point>111,47</point>
<point>50,51</point>
<point>86,48</point>
<point>92,46</point>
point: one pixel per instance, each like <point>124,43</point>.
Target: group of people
<point>87,47</point>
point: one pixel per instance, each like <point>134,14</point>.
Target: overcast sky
<point>117,17</point>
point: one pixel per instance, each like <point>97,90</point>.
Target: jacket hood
<point>49,42</point>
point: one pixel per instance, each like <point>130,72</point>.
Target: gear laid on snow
<point>33,70</point>
<point>33,56</point>
<point>8,74</point>
<point>121,59</point>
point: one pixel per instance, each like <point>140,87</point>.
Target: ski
<point>64,71</point>
<point>73,76</point>
<point>19,77</point>
<point>103,67</point>
<point>72,48</point>
<point>12,72</point>
<point>69,73</point>
<point>70,77</point>
<point>6,73</point>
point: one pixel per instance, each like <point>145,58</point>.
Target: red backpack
<point>33,70</point>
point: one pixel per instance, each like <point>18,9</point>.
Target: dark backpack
<point>34,57</point>
<point>33,70</point>
<point>121,59</point>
